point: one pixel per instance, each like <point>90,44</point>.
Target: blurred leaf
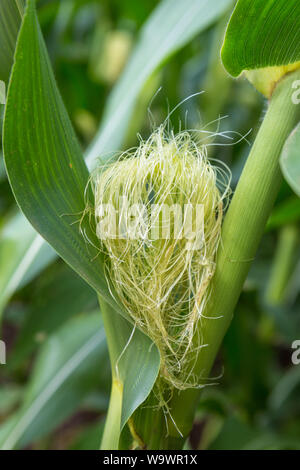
<point>71,363</point>
<point>89,438</point>
<point>269,441</point>
<point>54,303</point>
<point>262,34</point>
<point>284,399</point>
<point>233,436</point>
<point>135,368</point>
<point>286,212</point>
<point>171,26</point>
<point>252,369</point>
<point>10,19</point>
<point>290,161</point>
<point>21,257</point>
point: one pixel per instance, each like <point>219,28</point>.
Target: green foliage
<point>262,34</point>
<point>11,12</point>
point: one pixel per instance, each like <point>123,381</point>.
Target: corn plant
<point>166,303</point>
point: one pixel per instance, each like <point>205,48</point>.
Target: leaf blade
<point>262,34</point>
<point>11,12</point>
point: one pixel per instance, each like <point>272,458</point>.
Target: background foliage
<point>55,385</point>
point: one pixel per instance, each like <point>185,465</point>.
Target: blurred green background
<point>55,386</point>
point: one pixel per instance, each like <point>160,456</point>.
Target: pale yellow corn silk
<point>164,282</point>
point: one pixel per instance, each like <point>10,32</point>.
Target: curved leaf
<point>262,34</point>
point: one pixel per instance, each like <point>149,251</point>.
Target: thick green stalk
<point>242,231</point>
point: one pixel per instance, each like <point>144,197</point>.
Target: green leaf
<point>135,368</point>
<point>19,251</point>
<point>171,26</point>
<point>263,35</point>
<point>10,20</point>
<point>70,365</point>
<point>290,160</point>
<point>287,212</point>
<point>43,159</point>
